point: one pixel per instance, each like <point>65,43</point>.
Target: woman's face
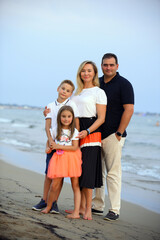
<point>87,74</point>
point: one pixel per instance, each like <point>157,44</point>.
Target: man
<point>120,108</point>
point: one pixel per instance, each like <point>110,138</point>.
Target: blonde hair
<point>68,82</point>
<point>80,83</point>
<point>59,124</point>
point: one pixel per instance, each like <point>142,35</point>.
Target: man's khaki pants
<point>111,162</point>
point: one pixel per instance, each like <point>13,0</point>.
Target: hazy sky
<point>44,42</point>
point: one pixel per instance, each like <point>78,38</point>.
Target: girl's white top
<point>87,100</point>
<point>64,139</point>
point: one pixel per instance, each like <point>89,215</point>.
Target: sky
<point>44,42</point>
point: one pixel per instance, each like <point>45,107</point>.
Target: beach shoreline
<point>135,189</point>
<point>21,189</point>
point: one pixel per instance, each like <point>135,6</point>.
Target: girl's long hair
<point>80,83</point>
<point>59,124</point>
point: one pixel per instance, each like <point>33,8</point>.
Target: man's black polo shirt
<point>119,91</point>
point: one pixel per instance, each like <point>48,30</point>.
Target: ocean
<point>23,139</point>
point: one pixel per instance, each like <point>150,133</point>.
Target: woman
<point>91,102</point>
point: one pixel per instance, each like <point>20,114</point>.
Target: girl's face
<point>66,118</point>
<point>87,74</point>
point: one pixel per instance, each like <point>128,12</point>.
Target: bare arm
<point>101,113</point>
<point>125,119</point>
<point>77,123</point>
<point>73,147</point>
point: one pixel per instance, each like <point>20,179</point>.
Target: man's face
<point>109,67</point>
<point>65,91</point>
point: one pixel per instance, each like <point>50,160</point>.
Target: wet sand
<point>20,189</point>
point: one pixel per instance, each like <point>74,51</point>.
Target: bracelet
<point>88,131</point>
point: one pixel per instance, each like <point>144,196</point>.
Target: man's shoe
<point>97,212</point>
<point>111,216</point>
<point>40,205</point>
<point>54,208</point>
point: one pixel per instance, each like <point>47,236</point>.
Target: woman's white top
<point>64,139</point>
<point>86,101</point>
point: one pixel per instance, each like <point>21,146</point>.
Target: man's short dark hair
<point>110,55</point>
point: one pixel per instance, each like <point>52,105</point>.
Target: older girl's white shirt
<point>86,101</point>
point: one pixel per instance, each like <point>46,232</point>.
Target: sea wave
<point>141,170</point>
<point>8,130</point>
<point>149,172</point>
<point>16,143</point>
<point>22,125</point>
<point>25,146</point>
<point>31,126</point>
<point>139,157</point>
<point>16,124</point>
<point>5,120</point>
<point>144,143</point>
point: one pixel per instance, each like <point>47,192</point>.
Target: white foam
<point>15,142</point>
<point>5,120</point>
<point>149,172</point>
<point>21,125</point>
<point>142,170</point>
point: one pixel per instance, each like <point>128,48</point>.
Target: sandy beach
<point>21,189</point>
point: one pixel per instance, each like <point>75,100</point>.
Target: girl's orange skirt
<point>67,164</point>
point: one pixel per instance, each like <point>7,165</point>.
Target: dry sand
<point>20,189</point>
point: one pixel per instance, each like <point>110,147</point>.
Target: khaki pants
<point>111,162</point>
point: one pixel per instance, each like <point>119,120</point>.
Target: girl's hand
<point>82,134</point>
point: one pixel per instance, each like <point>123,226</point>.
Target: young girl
<point>66,161</point>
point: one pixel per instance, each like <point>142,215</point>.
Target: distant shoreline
<point>16,106</point>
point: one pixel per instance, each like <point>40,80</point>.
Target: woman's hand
<point>82,134</point>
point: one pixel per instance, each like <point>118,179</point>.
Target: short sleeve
<point>75,135</point>
<point>101,97</point>
<point>49,115</point>
<point>127,93</point>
